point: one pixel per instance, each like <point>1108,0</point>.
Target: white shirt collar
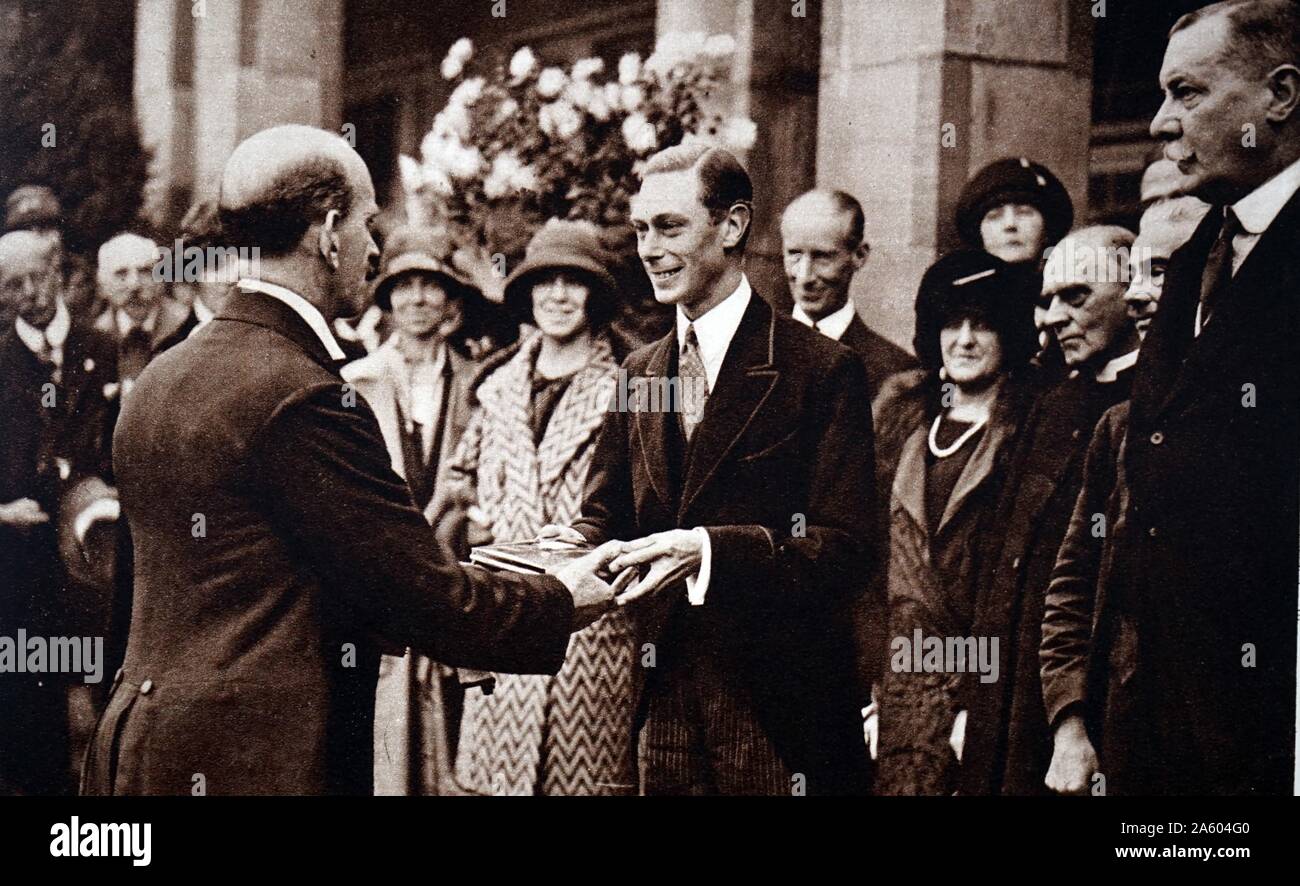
<point>833,325</point>
<point>125,323</point>
<point>715,329</point>
<point>1257,209</point>
<point>202,313</point>
<point>55,332</point>
<point>1110,372</point>
<point>300,306</point>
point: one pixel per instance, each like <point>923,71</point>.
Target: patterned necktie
<point>1218,266</point>
<point>694,382</point>
<point>51,357</point>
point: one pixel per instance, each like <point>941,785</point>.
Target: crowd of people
<point>1050,550</point>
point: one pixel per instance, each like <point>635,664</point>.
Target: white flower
<point>522,65</point>
<point>508,174</point>
<point>411,174</point>
<point>454,62</point>
<point>720,46</point>
<point>639,133</point>
<point>451,68</point>
<point>452,122</point>
<point>739,133</point>
<point>559,119</point>
<point>446,154</point>
<point>586,68</point>
<point>462,49</point>
<point>675,48</point>
<point>629,69</point>
<point>551,82</point>
<point>505,111</point>
<point>466,93</point>
<point>597,106</point>
<point>613,95</point>
<point>631,98</point>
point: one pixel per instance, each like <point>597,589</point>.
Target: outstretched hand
<point>592,596</point>
<point>671,555</point>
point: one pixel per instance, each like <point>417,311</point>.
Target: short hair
<point>1263,33</point>
<point>301,195</point>
<point>848,204</point>
<point>723,180</point>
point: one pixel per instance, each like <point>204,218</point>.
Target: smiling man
<point>823,244</point>
<point>749,511</point>
<point>1190,685</point>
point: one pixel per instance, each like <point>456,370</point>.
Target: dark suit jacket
<point>276,552</point>
<point>1008,744</point>
<point>785,435</point>
<point>1206,560</point>
<point>44,450</point>
<point>880,357</point>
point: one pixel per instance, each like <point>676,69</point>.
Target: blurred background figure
<point>1166,225</point>
<point>55,372</point>
<point>524,462</point>
<point>949,435</point>
<point>201,229</point>
<point>36,208</point>
<point>823,245</point>
<point>419,385</point>
<point>138,316</point>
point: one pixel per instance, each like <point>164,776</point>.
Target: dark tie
<point>1218,266</point>
<point>694,382</point>
<point>132,354</point>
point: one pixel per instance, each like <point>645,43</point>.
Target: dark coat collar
<point>260,309</point>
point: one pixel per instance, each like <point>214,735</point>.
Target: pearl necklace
<point>958,443</point>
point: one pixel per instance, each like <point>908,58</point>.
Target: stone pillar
<point>255,64</point>
<point>999,77</point>
<point>774,82</point>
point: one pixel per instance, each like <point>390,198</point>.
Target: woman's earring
<point>943,373</point>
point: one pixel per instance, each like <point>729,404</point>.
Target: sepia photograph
<point>650,398</point>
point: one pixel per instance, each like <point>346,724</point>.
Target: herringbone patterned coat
<point>571,733</point>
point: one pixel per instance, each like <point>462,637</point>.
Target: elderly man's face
<point>358,252</point>
<point>819,259</point>
<point>1159,238</point>
<point>29,279</point>
<point>1208,103</point>
<point>1085,311</point>
<point>126,276</point>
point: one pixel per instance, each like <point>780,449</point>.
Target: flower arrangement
<point>522,142</point>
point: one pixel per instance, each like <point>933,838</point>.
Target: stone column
<point>914,98</point>
<point>255,64</point>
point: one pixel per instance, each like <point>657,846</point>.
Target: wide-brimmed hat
<point>973,283</point>
<point>415,248</point>
<point>1014,180</point>
<point>561,245</point>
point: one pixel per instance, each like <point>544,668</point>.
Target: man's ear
<point>739,217</point>
<point>327,241</point>
<point>860,255</point>
<point>1284,84</point>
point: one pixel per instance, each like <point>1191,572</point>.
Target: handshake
<point>620,572</point>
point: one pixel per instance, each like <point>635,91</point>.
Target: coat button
<point>1076,433</point>
<point>146,687</point>
<point>1015,564</point>
<point>1152,532</point>
<point>1157,438</point>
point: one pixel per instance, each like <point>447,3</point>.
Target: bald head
<point>1083,295</point>
<point>821,240</point>
<point>125,274</point>
<point>282,180</point>
<point>22,245</point>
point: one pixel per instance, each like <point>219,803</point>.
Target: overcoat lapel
<point>653,427</point>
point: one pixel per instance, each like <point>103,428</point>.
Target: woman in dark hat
<point>523,464</point>
<point>944,441</point>
<point>1017,209</point>
<point>1014,209</point>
